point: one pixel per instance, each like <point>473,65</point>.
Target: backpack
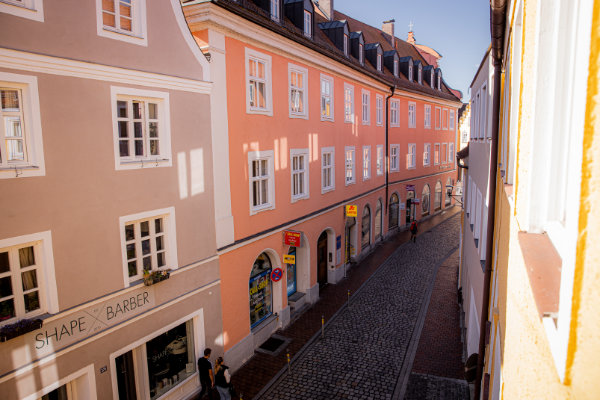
<point>413,227</point>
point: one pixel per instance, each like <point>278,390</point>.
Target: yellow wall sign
<point>351,211</point>
<point>289,259</point>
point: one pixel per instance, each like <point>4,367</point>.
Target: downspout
<point>497,27</point>
<point>387,147</point>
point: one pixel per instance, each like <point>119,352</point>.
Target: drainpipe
<point>387,147</point>
<point>497,27</point>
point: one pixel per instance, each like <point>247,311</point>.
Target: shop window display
<point>260,290</point>
<point>291,274</point>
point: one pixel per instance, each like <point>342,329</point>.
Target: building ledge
<point>543,266</point>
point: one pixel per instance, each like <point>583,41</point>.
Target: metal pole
<point>322,327</point>
<point>348,299</point>
<point>289,366</point>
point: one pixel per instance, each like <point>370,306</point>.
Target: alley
<point>369,346</point>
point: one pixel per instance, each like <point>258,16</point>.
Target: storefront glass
<point>366,228</point>
<point>425,200</point>
<point>260,290</point>
<point>291,274</point>
<point>437,205</point>
<point>170,359</point>
<point>393,215</point>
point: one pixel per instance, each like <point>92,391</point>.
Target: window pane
<point>146,246</point>
<point>137,110</point>
<point>125,24</point>
<point>139,148</point>
<point>263,167</point>
<point>158,225</point>
<point>10,100</point>
<point>108,5</point>
<point>153,129</point>
<point>159,243</point>
<point>5,287</point>
<point>129,232</point>
<point>125,8</point>
<point>255,193</point>
<point>123,132</point>
<point>122,109</point>
<point>160,259</point>
<point>26,257</point>
<point>15,150</point>
<point>29,279</point>
<point>4,264</point>
<point>261,70</point>
<point>7,309</point>
<point>252,67</point>
<point>147,263</point>
<point>145,228</point>
<point>32,301</point>
<point>130,251</point>
<point>137,129</point>
<point>263,191</point>
<point>132,268</point>
<point>261,95</point>
<point>154,148</point>
<point>57,394</point>
<point>123,148</point>
<point>13,127</point>
<point>108,19</point>
<point>152,110</point>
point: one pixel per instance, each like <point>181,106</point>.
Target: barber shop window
<point>261,301</point>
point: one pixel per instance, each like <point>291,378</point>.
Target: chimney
<point>327,7</point>
<point>411,37</point>
<point>388,27</point>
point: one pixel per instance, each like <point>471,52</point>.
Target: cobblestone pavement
<point>365,347</point>
<point>422,386</point>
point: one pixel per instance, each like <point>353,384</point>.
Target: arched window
<point>425,200</point>
<point>437,205</point>
<point>378,221</point>
<point>261,302</point>
<point>448,197</point>
<point>393,216</point>
<point>366,228</point>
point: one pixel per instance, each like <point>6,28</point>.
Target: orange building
<point>313,111</point>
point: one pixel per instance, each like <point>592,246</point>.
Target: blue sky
<point>457,29</point>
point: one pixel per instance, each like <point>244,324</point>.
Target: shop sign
<point>416,201</point>
<point>276,274</point>
<point>289,259</point>
<point>338,249</point>
<point>292,238</point>
<point>410,188</point>
<point>85,322</point>
<point>351,211</point>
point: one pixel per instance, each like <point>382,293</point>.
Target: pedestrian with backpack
<point>222,379</point>
<point>413,231</point>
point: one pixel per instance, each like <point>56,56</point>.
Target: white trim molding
<point>30,9</point>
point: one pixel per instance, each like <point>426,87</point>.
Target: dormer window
<point>275,10</point>
<point>410,71</point>
<point>379,62</point>
<point>361,54</point>
<point>432,79</point>
<point>439,82</point>
<point>307,23</point>
<point>420,75</point>
<point>345,45</point>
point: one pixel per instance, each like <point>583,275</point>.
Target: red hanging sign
<point>291,238</point>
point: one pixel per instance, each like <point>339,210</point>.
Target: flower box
<point>19,328</point>
<point>150,278</point>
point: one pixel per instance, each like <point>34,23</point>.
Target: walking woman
<point>222,379</point>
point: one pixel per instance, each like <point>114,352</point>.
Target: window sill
<point>298,116</point>
<point>327,190</point>
<point>298,198</point>
<point>350,183</point>
<point>543,265</point>
<point>20,171</point>
<point>259,111</point>
<point>144,163</point>
<point>327,119</point>
<point>268,207</point>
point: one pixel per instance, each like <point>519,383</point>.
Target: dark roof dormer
<point>392,61</point>
<point>429,75</point>
<point>357,46</point>
<point>438,78</point>
<point>418,71</point>
<point>406,67</point>
<point>338,33</point>
<point>301,14</point>
<point>374,53</point>
<point>271,7</point>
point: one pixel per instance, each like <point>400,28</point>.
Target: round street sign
<point>276,274</point>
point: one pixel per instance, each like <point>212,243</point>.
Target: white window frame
<point>436,146</point>
<point>349,165</point>
<point>420,74</point>
<point>139,26</point>
<point>379,62</point>
<point>304,170</point>
<point>395,157</point>
<point>348,103</point>
<point>427,155</point>
<point>329,80</point>
<point>345,45</point>
<point>366,107</point>
<point>31,128</point>
<point>412,114</point>
<point>30,9</point>
<point>366,153</point>
<point>379,109</point>
<point>411,156</point>
<point>164,158</point>
<point>268,80</point>
<point>331,152</point>
<point>451,121</point>
<point>307,24</point>
<point>269,156</point>
<point>427,121</point>
<point>395,112</point>
<point>444,153</point>
<point>445,119</point>
<point>379,159</point>
<point>46,278</point>
<point>396,70</point>
<point>438,121</point>
<point>361,54</point>
<point>304,90</point>
<point>170,240</point>
<point>274,11</point>
<point>451,153</point>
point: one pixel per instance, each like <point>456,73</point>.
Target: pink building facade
<point>318,112</point>
<point>106,171</point>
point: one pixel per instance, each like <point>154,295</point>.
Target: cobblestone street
<point>368,348</point>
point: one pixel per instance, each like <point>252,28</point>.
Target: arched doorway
<point>365,238</point>
<point>425,201</point>
<point>378,221</point>
<point>437,203</point>
<point>410,207</point>
<point>322,259</point>
<point>393,213</point>
<point>350,239</point>
<point>260,290</point>
<point>448,201</point>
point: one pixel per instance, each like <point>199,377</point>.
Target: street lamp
<point>450,188</point>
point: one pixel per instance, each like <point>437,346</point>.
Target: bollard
<point>322,326</point>
<point>289,366</point>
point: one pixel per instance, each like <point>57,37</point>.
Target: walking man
<point>205,371</point>
<point>413,231</point>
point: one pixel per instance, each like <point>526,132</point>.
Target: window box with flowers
<point>152,277</point>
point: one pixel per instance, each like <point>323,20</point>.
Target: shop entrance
<point>410,207</point>
<point>322,259</point>
<point>350,238</point>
